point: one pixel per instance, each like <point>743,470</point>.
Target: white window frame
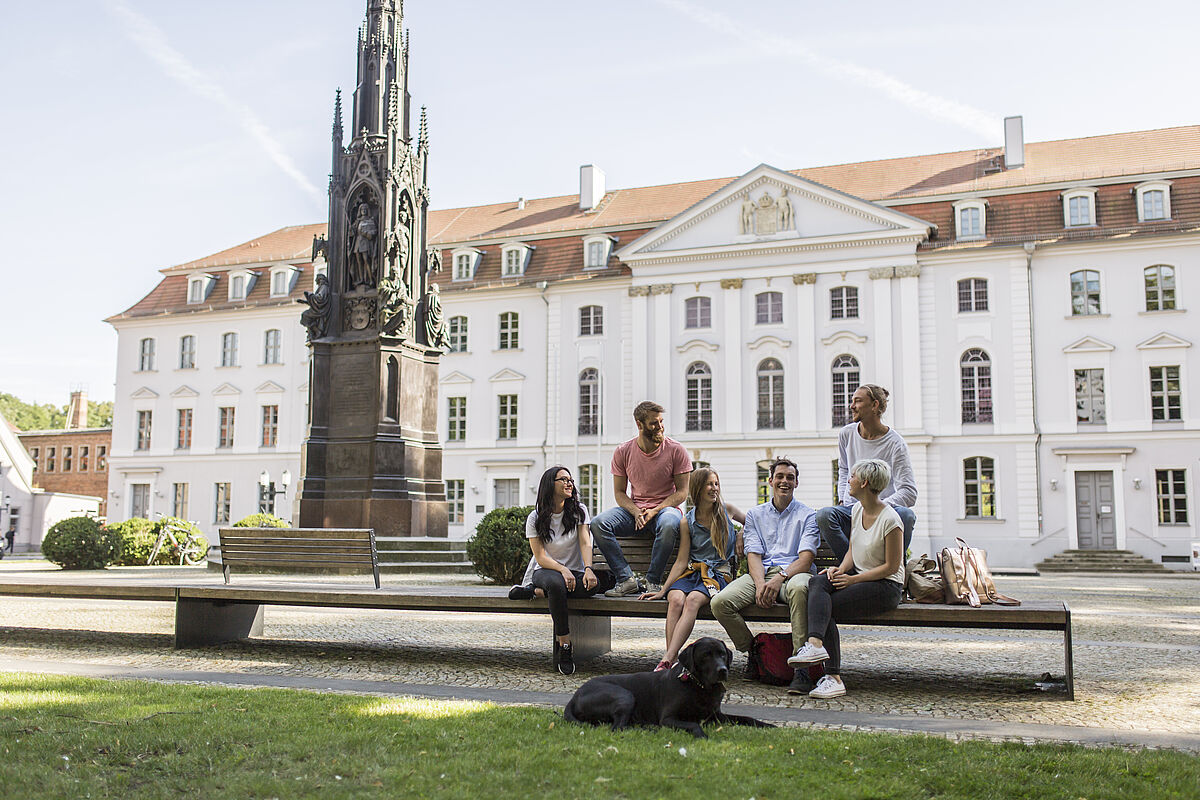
<point>1153,186</point>
<point>968,236</point>
<point>458,334</point>
<point>464,263</point>
<point>247,277</point>
<point>229,355</point>
<point>205,282</point>
<point>1067,197</point>
<point>190,352</point>
<point>1161,289</point>
<point>995,493</point>
<point>594,319</point>
<point>289,279</point>
<point>703,303</point>
<point>764,298</point>
<point>849,292</point>
<point>987,295</point>
<point>1100,305</point>
<point>146,348</point>
<point>508,330</point>
<point>605,252</point>
<point>518,254</point>
<point>268,350</point>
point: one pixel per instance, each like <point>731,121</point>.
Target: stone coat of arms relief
<point>766,216</point>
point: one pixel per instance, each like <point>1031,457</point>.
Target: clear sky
<point>139,134</point>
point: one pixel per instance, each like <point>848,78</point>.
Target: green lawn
<point>71,737</point>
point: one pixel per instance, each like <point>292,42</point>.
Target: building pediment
<point>768,209</point>
<point>702,345</point>
<point>769,339</point>
<point>506,374</point>
<point>144,393</point>
<point>1089,344</point>
<point>850,337</point>
<point>1163,341</point>
<point>185,391</point>
<point>270,387</point>
<point>226,389</point>
<point>456,377</point>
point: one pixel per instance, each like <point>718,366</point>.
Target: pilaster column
<point>638,348</point>
<point>729,415</point>
<point>882,370</point>
<point>659,359</point>
<point>908,350</point>
<point>800,401</point>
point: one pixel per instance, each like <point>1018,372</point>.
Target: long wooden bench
<point>340,549</point>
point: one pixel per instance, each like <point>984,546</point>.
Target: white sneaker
<point>828,688</point>
<point>808,655</point>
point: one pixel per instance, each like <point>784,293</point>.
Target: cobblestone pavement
<point>1137,652</point>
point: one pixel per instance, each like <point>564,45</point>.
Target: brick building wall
<point>74,461</point>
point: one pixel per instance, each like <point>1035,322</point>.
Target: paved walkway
<point>1137,653</point>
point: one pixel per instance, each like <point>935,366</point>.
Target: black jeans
<point>551,582</point>
<point>825,604</point>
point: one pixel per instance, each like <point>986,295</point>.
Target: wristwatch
<point>783,573</point>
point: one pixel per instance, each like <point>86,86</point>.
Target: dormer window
<point>970,220</point>
<point>282,280</point>
<point>513,259</point>
<point>240,283</point>
<point>466,261</point>
<point>198,288</point>
<point>1079,208</point>
<point>1153,200</point>
<point>596,251</point>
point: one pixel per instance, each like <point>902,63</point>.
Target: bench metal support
<point>591,637</point>
<point>205,622</point>
<point>1070,661</point>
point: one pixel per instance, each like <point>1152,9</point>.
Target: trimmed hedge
<point>80,543</point>
<point>499,549</point>
<point>139,536</point>
<point>261,521</point>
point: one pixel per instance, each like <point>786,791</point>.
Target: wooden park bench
<point>335,549</point>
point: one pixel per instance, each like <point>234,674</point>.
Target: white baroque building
<point>1027,306</point>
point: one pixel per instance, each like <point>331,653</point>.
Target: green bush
<point>499,549</point>
<point>261,521</point>
<point>168,554</point>
<point>80,543</point>
<point>137,535</point>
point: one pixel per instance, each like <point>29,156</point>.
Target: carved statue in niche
<point>435,320</point>
<point>320,247</point>
<point>747,215</point>
<point>360,262</point>
<point>316,317</point>
<point>396,306</point>
<point>399,242</point>
<point>787,218</point>
<point>433,257</point>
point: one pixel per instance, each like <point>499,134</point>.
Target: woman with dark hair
<point>558,534</point>
<point>704,565</point>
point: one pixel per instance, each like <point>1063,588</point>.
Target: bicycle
<point>190,551</point>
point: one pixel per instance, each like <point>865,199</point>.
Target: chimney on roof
<point>520,203</point>
<point>1014,142</point>
<point>591,187</point>
<point>77,410</point>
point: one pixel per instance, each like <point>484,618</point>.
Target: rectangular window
<point>237,287</point>
<point>270,426</point>
<point>49,459</point>
<point>462,267</point>
<point>591,321</point>
<point>1089,396</point>
<point>509,331</point>
<point>196,291</point>
<point>768,308</point>
<point>762,486</point>
<point>187,352</point>
<point>458,334</point>
<point>972,295</point>
<point>229,345</point>
<point>101,458</point>
<point>35,454</point>
<point>67,453</point>
<point>1171,485</point>
<point>1080,210</point>
<point>1160,288</point>
<point>183,429</point>
<point>595,254</point>
<point>83,458</point>
<point>266,498</point>
<point>836,472</point>
<point>179,503</point>
<point>697,312</point>
<point>507,428</point>
<point>146,355</point>
<point>843,302</point>
<point>1166,394</point>
<point>144,421</point>
<point>455,501</point>
<point>1085,292</point>
<point>139,500</point>
<point>221,503</point>
<point>225,416</point>
<point>970,223</point>
<point>272,350</point>
<point>589,487</point>
<point>1153,204</point>
<point>513,261</point>
<point>456,416</point>
<point>979,485</point>
<point>279,283</point>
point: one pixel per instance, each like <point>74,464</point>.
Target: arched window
<point>591,321</point>
<point>770,394</point>
<point>768,308</point>
<point>589,402</point>
<point>1085,292</point>
<point>272,350</point>
<point>976,370</point>
<point>1160,287</point>
<point>697,312</point>
<point>979,487</point>
<point>699,397</point>
<point>845,383</point>
<point>458,334</point>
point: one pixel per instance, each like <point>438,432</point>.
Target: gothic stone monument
<point>375,325</point>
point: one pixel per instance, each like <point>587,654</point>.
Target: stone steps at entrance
<point>1099,561</point>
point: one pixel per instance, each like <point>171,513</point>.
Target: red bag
<point>768,660</point>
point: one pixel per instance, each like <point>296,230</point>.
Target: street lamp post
<point>267,490</point>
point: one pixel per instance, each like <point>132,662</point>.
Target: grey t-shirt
<point>852,447</point>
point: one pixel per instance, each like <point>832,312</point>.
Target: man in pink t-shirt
<point>650,478</point>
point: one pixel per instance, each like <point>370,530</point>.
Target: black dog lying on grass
<point>680,697</point>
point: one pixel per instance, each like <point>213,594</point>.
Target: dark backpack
<point>768,660</point>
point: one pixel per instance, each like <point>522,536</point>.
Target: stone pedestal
<point>372,458</point>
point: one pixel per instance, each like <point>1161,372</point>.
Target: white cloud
<point>965,116</point>
<point>152,41</point>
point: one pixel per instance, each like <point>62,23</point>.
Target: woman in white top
<point>870,579</point>
<point>558,534</point>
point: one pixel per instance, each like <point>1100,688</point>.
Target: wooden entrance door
<point>508,492</point>
<point>1095,510</point>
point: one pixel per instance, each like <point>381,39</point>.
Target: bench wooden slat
<point>287,547</point>
<point>298,547</point>
<point>299,533</point>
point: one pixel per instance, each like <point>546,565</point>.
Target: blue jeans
<point>834,524</point>
<point>617,522</point>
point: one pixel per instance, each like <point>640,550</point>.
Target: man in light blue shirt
<point>781,539</point>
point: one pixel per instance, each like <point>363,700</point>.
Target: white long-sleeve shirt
<point>852,447</point>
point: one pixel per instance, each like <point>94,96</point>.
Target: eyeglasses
<point>564,480</point>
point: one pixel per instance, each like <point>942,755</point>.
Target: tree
<point>31,416</point>
<point>100,414</point>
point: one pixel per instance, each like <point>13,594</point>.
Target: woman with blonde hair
<point>704,565</point>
